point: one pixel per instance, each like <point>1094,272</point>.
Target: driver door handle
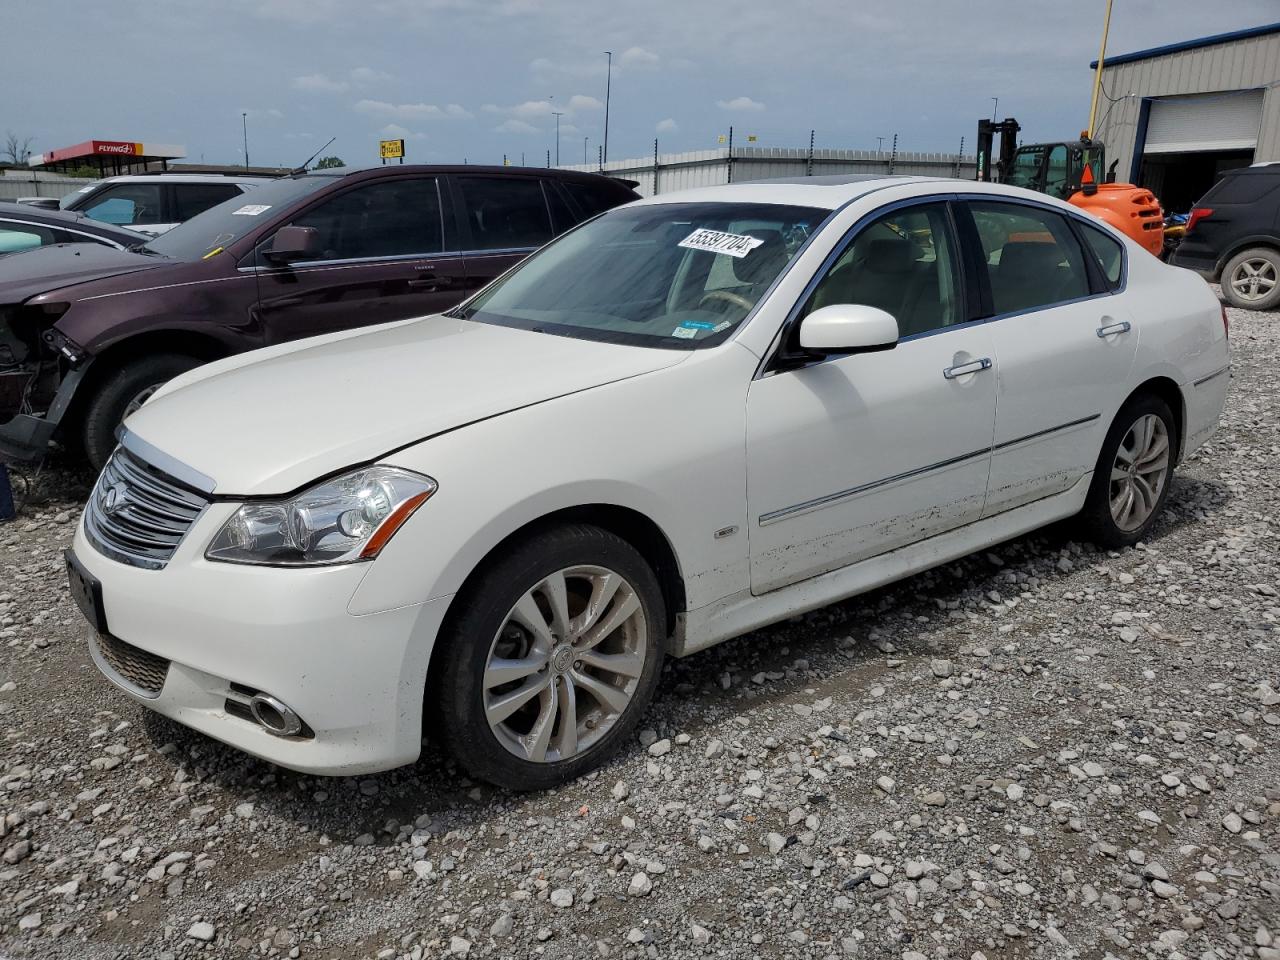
<point>430,283</point>
<point>973,366</point>
<point>1113,328</point>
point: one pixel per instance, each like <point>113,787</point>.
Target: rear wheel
<point>1131,480</point>
<point>550,665</point>
<point>1251,279</point>
<point>123,392</point>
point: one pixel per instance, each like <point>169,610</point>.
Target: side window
<point>127,203</point>
<point>386,218</point>
<point>591,198</point>
<point>193,198</point>
<point>904,263</point>
<point>1107,251</point>
<point>561,216</point>
<point>1032,257</point>
<point>23,236</point>
<point>505,212</point>
<point>1055,174</point>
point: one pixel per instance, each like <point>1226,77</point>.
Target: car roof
<point>824,192</point>
<point>186,178</point>
<point>63,218</point>
<point>372,170</point>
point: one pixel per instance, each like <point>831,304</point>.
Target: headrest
<point>765,261</point>
<point>890,256</point>
<point>1031,257</point>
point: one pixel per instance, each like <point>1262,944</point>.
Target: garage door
<point>1219,121</point>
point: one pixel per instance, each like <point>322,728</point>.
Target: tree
<point>324,163</point>
<point>16,149</point>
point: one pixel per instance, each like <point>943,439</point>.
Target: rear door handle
<point>1113,328</point>
<point>430,283</point>
<point>973,366</point>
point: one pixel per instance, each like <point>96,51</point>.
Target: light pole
<point>608,89</point>
<point>995,107</point>
<point>557,114</point>
<point>879,144</point>
<point>244,126</point>
<point>585,161</point>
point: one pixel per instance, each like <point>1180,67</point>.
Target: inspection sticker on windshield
<point>251,210</point>
<point>684,333</point>
<point>713,241</point>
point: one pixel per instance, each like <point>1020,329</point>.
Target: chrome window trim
<point>840,496</point>
<point>106,241</point>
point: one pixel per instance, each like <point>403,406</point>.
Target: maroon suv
<point>88,332</point>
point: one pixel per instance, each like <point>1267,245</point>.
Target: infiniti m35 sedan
<point>689,417</point>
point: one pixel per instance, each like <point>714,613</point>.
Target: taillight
<point>1226,324</point>
<point>1198,214</point>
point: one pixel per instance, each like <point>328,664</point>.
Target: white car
<point>155,203</point>
<point>690,417</point>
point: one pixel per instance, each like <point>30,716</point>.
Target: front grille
<point>136,667</point>
<point>138,515</point>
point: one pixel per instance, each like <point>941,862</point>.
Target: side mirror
<point>848,328</point>
<point>294,243</point>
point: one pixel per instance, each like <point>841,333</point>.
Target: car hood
<point>274,420</point>
<point>33,272</point>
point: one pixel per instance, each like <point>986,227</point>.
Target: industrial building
<point>1176,116</point>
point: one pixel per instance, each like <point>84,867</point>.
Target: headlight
<point>348,518</point>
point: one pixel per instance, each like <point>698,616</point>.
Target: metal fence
<point>31,183</point>
<point>663,173</point>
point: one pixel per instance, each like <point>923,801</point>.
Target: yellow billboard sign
<point>391,149</point>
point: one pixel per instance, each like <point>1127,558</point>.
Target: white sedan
<point>690,417</point>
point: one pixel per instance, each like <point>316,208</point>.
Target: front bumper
<point>356,681</point>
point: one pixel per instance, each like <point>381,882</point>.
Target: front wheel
<point>123,392</point>
<point>1131,480</point>
<point>549,666</point>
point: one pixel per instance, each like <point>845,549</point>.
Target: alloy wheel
<point>565,664</point>
<point>1254,279</point>
<point>1140,472</point>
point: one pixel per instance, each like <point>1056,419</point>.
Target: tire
<point>1098,520</point>
<point>111,401</point>
<point>463,701</point>
<point>1251,279</point>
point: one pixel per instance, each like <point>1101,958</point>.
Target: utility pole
<point>608,89</point>
<point>244,125</point>
<point>585,161</point>
<point>557,114</point>
<point>1097,74</point>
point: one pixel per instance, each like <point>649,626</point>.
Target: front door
<point>859,455</point>
<point>381,259</point>
<point>1066,345</point>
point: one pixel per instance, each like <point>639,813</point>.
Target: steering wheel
<point>735,298</point>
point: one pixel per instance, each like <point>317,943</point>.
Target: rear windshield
<point>1242,188</point>
<point>220,226</point>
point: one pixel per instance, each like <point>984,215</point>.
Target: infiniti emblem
<point>113,499</point>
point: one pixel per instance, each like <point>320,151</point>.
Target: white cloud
<point>740,103</point>
<point>458,111</point>
<point>393,131</point>
<point>580,101</point>
<point>367,76</point>
<point>398,111</point>
<point>319,83</point>
<point>667,126</point>
<point>638,57</point>
<point>515,126</point>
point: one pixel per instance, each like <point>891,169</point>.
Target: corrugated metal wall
<point>706,168</point>
<point>1247,64</point>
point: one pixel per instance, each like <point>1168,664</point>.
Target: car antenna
<point>303,169</point>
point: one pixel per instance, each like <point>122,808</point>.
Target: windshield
<point>680,275</point>
<point>207,233</point>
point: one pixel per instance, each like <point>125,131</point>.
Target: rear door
<point>1066,342</point>
<point>501,219</point>
<point>383,258</point>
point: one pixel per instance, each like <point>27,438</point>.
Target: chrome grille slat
<point>138,515</point>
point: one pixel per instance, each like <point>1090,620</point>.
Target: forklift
<point>1070,171</point>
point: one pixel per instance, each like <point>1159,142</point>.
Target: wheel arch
<point>1240,246</point>
<point>638,529</point>
<point>1167,389</point>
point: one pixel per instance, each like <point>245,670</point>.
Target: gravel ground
<point>1042,750</point>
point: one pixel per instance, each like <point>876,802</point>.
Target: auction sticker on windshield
<point>713,241</point>
<point>251,210</point>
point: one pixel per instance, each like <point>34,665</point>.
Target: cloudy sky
<point>476,80</point>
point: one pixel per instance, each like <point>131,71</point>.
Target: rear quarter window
<point>1106,251</point>
<point>593,198</point>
